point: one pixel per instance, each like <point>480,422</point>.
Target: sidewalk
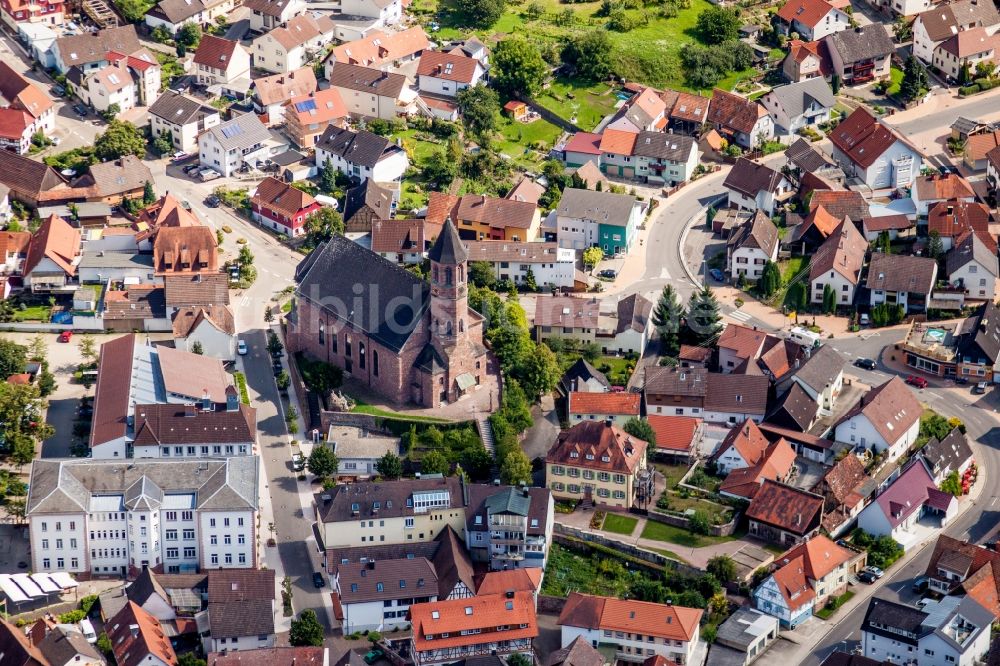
<point>820,628</point>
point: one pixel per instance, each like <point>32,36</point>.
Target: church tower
<point>449,289</point>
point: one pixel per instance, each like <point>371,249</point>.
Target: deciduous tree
<point>323,462</point>
<point>389,466</point>
<point>718,24</point>
<point>119,139</point>
<point>306,630</point>
<point>591,53</point>
<point>642,429</point>
<point>480,108</point>
<point>518,67</point>
<point>434,462</point>
<point>515,468</point>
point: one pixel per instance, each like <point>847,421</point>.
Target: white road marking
<point>246,301</point>
<point>739,316</point>
<point>665,273</point>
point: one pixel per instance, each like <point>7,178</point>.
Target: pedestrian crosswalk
<point>739,315</point>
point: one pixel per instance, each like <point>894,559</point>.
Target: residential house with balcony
<point>222,62</point>
<point>281,207</point>
<point>783,514</point>
<point>837,265</point>
<point>967,49</point>
<point>587,218</point>
<point>448,631</point>
<point>871,151</point>
<point>89,51</point>
<point>635,629</point>
<point>186,431</point>
<point>267,15</point>
<point>934,188</point>
<point>939,24</point>
<point>805,577</point>
<point>598,462</point>
<point>307,116</point>
<point>361,155</point>
<point>509,527</point>
<point>951,454</point>
<point>231,145</point>
<point>668,159</point>
<point>743,122</point>
<point>293,44</point>
<point>54,255</point>
<point>807,60</point>
<point>885,420</point>
<point>756,187</point>
<point>812,19</point>
<point>971,266</point>
<point>954,630</point>
<point>751,246</point>
<point>183,118</point>
<point>377,595</point>
<point>962,568</point>
<point>271,94</point>
<point>912,496</point>
<point>899,279</point>
<point>861,54</point>
<point>378,49</point>
<point>797,105</point>
<point>371,93</point>
<point>445,74</point>
<point>548,263</point>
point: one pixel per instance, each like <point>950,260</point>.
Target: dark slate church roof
<point>341,275</point>
<point>448,248</point>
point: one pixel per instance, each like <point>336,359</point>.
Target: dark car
<point>80,109</point>
<point>318,579</point>
<point>212,201</point>
<point>717,275</point>
<point>373,655</point>
<point>867,577</point>
<point>608,273</point>
<point>961,380</point>
<point>866,363</point>
<point>276,366</point>
<point>58,91</point>
<point>920,584</point>
<point>191,168</point>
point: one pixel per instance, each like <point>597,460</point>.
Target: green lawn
<point>896,79</point>
<point>362,407</point>
<point>648,54</point>
<point>616,368</point>
<point>833,605</point>
<point>619,524</point>
<point>672,473</point>
<point>571,98</point>
<point>527,143</point>
<point>670,534</point>
<point>792,267</point>
<point>33,313</point>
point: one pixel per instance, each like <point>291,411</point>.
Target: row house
<point>741,121</point>
<point>650,156</point>
<point>482,218</point>
<point>714,397</point>
<point>548,263</point>
<point>586,218</point>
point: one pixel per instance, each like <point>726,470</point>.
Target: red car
<point>919,382</point>
<point>65,336</point>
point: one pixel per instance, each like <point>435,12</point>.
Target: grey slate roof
<point>367,79</point>
<point>949,453</point>
<point>179,109</point>
<point>361,147</point>
<point>448,248</point>
<point>67,485</point>
<point>805,157</point>
<point>117,259</point>
<point>750,178</point>
<point>906,620</point>
<point>673,147</point>
<point>821,368</point>
<point>363,582</point>
<point>582,370</point>
<point>371,194</point>
<point>602,207</point>
<point>758,232</point>
<point>901,273</point>
<point>404,296</point>
<point>795,97</point>
<point>972,248</point>
<point>64,642</point>
<point>241,132</point>
<point>510,500</point>
<point>871,41</point>
<point>796,408</point>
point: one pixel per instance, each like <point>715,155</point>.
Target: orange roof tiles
<point>625,403</point>
<point>378,47</point>
<point>618,142</point>
<point>640,617</point>
<point>674,433</point>
<point>819,556</point>
<point>806,12</point>
<point>131,649</point>
<point>597,445</point>
<point>57,241</point>
<point>526,579</point>
<point>485,613</point>
<point>776,464</point>
<point>824,222</point>
<point>743,341</point>
<point>792,584</point>
<point>748,440</point>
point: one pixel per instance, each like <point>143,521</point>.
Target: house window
<point>375,362</point>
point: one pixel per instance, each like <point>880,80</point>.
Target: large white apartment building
<point>110,517</point>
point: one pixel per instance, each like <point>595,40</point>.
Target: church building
<point>408,340</point>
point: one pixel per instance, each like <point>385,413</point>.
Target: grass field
<point>670,534</point>
<point>528,143</point>
<point>791,267</point>
<point>616,369</point>
<point>580,102</point>
<point>619,524</point>
<point>896,79</point>
<point>648,54</point>
<point>33,313</point>
<point>363,408</point>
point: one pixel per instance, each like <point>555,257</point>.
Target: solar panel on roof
<point>231,131</point>
<point>306,105</point>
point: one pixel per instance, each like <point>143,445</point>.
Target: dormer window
<point>590,456</point>
<point>574,454</point>
<point>605,458</point>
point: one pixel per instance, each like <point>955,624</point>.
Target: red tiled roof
<point>522,579</point>
<point>951,219</point>
<point>584,142</point>
<point>674,433</point>
<point>793,586</point>
<point>625,403</point>
<point>447,66</point>
<point>775,465</point>
<point>748,440</point>
<point>597,445</point>
<point>660,620</point>
<point>819,556</point>
<point>745,342</point>
<point>215,52</point>
<point>618,142</point>
<point>862,137</point>
<point>281,197</point>
<point>785,507</point>
<point>806,12</point>
<point>146,642</point>
<point>57,241</point>
<point>14,123</point>
<point>484,612</point>
<point>730,111</point>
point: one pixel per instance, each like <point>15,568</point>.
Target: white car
<point>241,348</point>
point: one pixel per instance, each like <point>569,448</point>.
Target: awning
<point>465,381</point>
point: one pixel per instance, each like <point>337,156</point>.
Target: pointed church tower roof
<point>448,249</point>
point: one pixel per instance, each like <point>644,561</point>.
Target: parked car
<point>717,275</point>
<point>919,382</point>
<point>863,319</point>
<point>866,577</point>
<point>920,584</point>
<point>373,655</point>
<point>191,168</point>
<point>80,109</point>
<point>866,363</point>
<point>208,174</point>
<point>875,571</point>
<point>58,90</point>
<point>608,273</point>
<point>55,140</point>
<point>961,380</point>
<point>298,462</point>
<point>276,366</point>
<point>318,579</point>
<point>241,348</point>
<point>979,388</point>
<point>179,156</point>
<point>65,336</point>
<point>212,201</point>
<point>922,603</point>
